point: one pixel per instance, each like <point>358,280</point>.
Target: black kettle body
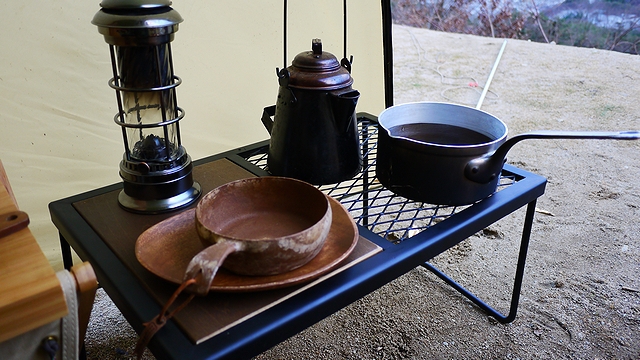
<point>314,135</point>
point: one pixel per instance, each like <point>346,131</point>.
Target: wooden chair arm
<point>86,286</point>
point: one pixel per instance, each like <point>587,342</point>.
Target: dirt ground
<point>581,292</point>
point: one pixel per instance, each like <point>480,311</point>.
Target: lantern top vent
<point>134,4</point>
<point>137,22</point>
<point>136,14</point>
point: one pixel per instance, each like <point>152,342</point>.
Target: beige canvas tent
<point>58,137</point>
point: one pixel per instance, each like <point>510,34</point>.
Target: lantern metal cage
<point>156,169</point>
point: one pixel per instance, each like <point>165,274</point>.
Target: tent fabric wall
<point>58,137</point>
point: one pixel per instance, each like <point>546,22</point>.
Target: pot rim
<point>425,105</point>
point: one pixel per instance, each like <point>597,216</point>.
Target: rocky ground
<point>581,292</point>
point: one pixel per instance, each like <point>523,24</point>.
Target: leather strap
<point>152,327</point>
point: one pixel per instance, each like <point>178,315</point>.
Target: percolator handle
<point>346,62</point>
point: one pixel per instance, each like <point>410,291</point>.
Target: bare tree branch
<point>537,17</point>
<point>629,29</point>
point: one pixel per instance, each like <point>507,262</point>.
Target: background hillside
<point>602,24</point>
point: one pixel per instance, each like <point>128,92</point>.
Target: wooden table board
<point>30,293</point>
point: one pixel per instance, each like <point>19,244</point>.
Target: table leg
<point>517,284</point>
<point>365,176</point>
<point>65,248</point>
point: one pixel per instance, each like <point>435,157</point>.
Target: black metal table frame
<point>278,323</point>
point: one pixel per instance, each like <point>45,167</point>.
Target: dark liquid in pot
<point>442,134</point>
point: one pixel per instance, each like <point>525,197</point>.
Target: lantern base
<point>156,206</point>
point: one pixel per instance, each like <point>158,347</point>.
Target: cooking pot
<point>314,135</point>
<point>258,226</point>
<point>449,154</point>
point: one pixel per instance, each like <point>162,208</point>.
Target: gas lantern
<point>156,169</point>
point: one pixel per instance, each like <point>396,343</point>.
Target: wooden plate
<point>166,249</point>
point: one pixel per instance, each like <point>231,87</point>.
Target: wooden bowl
<point>273,224</point>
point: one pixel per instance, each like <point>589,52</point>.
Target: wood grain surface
<point>30,293</point>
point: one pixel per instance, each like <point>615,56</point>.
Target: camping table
<point>407,235</point>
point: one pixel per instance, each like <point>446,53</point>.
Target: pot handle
<point>346,63</point>
<point>485,169</point>
<point>197,279</point>
<point>267,117</point>
<point>204,266</point>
